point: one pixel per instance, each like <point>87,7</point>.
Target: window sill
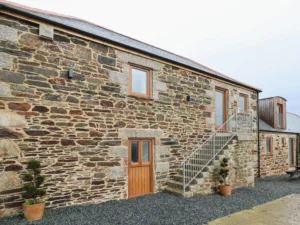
<point>140,97</point>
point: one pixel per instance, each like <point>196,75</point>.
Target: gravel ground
<point>164,208</point>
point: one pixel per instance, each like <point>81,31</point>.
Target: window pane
<point>268,145</point>
<point>145,151</point>
<point>242,105</point>
<point>279,115</point>
<point>134,152</point>
<point>219,108</point>
<point>139,81</point>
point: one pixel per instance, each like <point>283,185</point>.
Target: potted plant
<point>34,207</point>
<point>223,172</point>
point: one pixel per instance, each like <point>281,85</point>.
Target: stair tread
<point>180,175</point>
<point>179,192</point>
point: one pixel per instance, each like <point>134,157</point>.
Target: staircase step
<point>198,161</point>
<point>177,185</point>
<point>204,174</point>
<point>178,192</point>
<point>180,172</point>
<point>206,156</point>
<point>197,180</point>
<point>193,167</point>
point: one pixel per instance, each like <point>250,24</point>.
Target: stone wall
<point>79,127</point>
<point>276,163</point>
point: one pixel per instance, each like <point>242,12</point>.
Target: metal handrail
<point>231,127</point>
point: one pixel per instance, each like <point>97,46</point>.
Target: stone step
<point>197,167</point>
<point>198,161</point>
<point>179,185</point>
<point>204,174</point>
<point>178,192</point>
<point>211,147</point>
<point>206,156</point>
<point>180,172</point>
<point>197,180</point>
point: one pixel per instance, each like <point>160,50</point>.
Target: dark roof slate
<point>292,124</point>
<point>114,37</point>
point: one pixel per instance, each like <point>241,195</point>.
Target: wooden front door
<point>140,167</point>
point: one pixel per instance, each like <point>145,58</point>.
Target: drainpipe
<point>258,142</point>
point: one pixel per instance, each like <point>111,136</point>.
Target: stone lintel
<point>140,133</point>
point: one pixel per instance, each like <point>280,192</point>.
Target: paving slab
<point>285,210</point>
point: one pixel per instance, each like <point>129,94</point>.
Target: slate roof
<point>292,124</point>
<point>114,37</point>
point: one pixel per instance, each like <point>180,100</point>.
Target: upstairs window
<point>139,82</point>
<point>269,145</point>
<point>279,111</point>
<point>243,103</point>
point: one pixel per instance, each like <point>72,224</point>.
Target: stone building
<point>279,137</point>
<point>111,117</point>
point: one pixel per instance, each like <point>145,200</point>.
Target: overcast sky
<point>255,41</point>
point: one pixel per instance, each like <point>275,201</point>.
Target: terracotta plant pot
<point>225,190</point>
<point>34,212</point>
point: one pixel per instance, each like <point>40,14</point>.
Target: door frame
<point>151,155</point>
<point>293,152</point>
<point>225,106</point>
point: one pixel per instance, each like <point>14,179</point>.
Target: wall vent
<point>46,31</point>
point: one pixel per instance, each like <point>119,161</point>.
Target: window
<point>279,111</point>
<point>139,82</point>
<point>283,142</point>
<point>140,151</point>
<point>221,107</point>
<point>269,145</point>
<point>243,103</point>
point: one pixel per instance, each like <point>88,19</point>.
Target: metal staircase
<point>197,166</point>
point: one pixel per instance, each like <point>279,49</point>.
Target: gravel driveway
<point>164,208</point>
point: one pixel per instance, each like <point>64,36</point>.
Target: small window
<point>283,142</point>
<point>269,145</point>
<point>243,102</point>
<point>139,82</point>
<point>280,116</point>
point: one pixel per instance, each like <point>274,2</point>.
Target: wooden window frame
<point>271,145</point>
<point>293,152</point>
<point>246,102</point>
<point>225,102</point>
<point>148,80</point>
<point>276,119</point>
<point>283,141</point>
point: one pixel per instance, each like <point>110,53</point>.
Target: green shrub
<point>222,171</point>
<point>33,181</point>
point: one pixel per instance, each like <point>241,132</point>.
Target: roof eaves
<point>12,6</point>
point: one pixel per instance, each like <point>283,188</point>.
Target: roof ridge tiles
<point>211,71</point>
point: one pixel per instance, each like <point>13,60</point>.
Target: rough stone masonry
<point>79,128</point>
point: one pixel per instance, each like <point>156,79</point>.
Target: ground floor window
<point>269,145</point>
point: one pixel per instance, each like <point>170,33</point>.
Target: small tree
<point>33,181</point>
<point>223,171</point>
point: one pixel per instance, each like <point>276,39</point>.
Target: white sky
<point>255,41</point>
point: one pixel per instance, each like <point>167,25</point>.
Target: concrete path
<point>282,211</point>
